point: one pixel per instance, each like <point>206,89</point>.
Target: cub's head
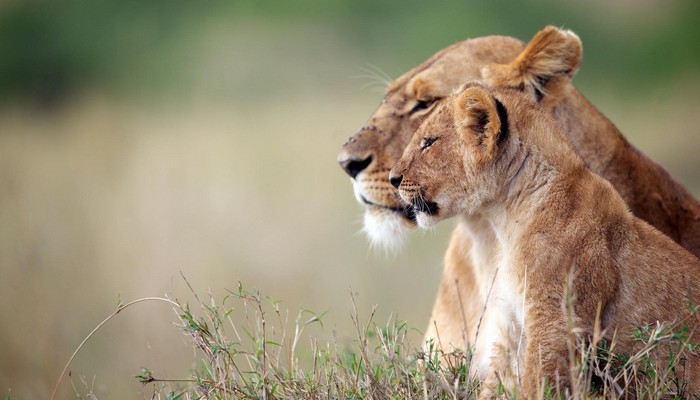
<point>458,160</point>
<point>368,156</point>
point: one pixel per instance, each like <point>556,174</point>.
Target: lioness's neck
<point>649,191</point>
<point>594,137</point>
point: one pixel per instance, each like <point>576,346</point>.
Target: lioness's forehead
<point>398,83</point>
<point>447,69</point>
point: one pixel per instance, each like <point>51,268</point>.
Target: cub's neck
<point>549,187</point>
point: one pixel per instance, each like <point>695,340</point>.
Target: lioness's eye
<point>421,105</point>
<point>427,142</point>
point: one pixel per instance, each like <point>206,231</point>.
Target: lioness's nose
<point>354,167</point>
<point>395,180</point>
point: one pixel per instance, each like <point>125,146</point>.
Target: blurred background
<point>144,139</point>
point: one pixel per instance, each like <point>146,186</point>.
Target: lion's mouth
<point>428,207</point>
<point>406,212</point>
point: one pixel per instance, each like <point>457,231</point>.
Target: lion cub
<point>497,154</point>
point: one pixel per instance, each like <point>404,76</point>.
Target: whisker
<point>422,199</point>
<point>380,72</point>
<point>376,83</point>
<point>376,73</point>
<point>373,86</point>
<point>370,77</point>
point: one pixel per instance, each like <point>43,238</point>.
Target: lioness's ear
<point>481,119</point>
<point>544,67</point>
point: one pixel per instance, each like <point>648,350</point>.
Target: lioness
<point>495,154</point>
<point>543,69</point>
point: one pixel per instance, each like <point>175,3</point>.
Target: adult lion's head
<point>369,155</point>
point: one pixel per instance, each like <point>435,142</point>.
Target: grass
<point>195,146</point>
<point>263,358</point>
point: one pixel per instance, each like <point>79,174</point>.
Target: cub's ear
<point>481,119</point>
<point>544,67</point>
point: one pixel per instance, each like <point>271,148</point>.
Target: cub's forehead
<point>441,118</point>
<point>444,109</point>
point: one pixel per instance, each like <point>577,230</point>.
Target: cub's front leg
<point>547,328</point>
<point>501,364</point>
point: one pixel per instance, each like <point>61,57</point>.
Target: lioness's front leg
<point>458,306</point>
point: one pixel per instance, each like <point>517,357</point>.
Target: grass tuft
<point>260,356</point>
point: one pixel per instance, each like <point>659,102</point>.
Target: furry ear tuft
<point>543,68</point>
<point>480,118</point>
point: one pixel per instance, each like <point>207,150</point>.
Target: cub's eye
<point>427,142</point>
<point>421,105</point>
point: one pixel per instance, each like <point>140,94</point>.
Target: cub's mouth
<point>428,207</point>
<point>407,212</point>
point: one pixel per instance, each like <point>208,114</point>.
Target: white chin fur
<point>426,221</point>
<point>385,229</point>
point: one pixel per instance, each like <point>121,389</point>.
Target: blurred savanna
<point>142,141</point>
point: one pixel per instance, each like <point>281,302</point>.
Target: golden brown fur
<point>372,151</point>
<point>543,70</point>
<point>565,236</point>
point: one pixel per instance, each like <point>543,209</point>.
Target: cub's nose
<point>353,167</point>
<point>395,180</point>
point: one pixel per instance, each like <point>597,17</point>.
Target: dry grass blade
<point>119,309</point>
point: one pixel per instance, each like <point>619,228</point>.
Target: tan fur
<point>561,231</point>
<point>543,70</point>
<point>388,131</point>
